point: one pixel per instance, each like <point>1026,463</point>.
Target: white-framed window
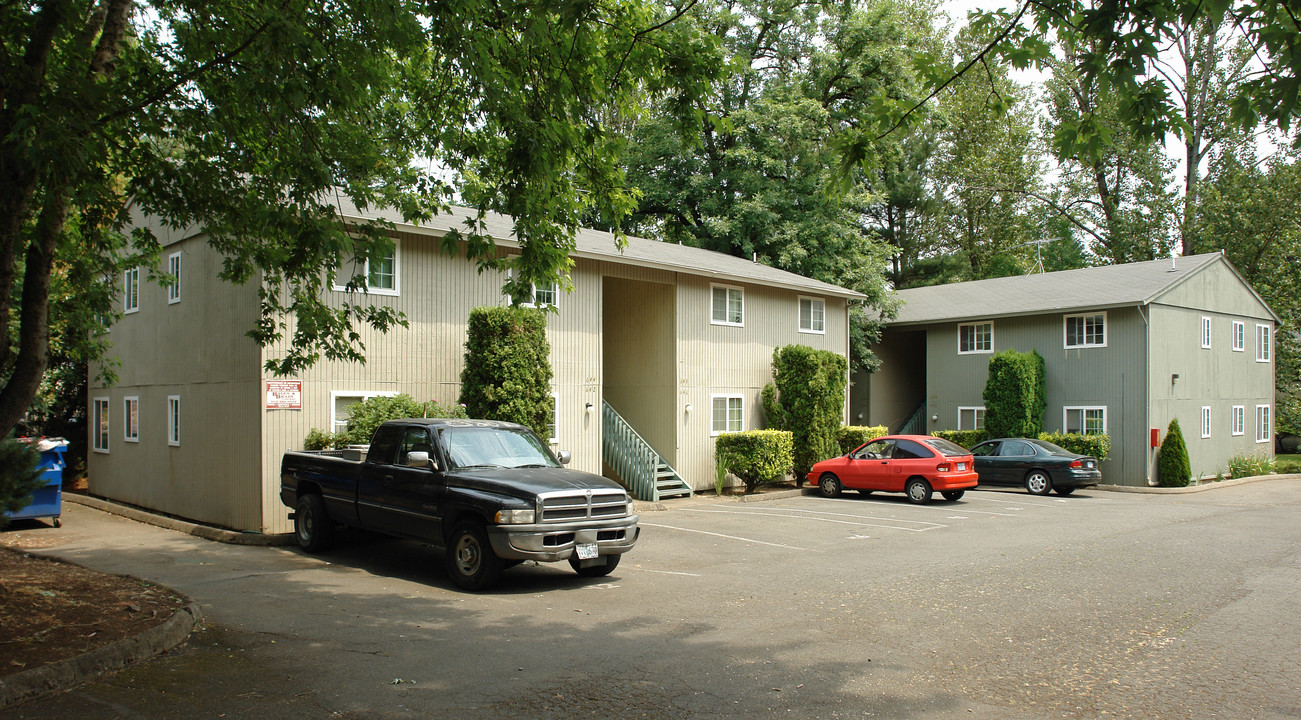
<point>174,269</point>
<point>1084,331</point>
<point>1262,343</point>
<point>131,418</point>
<point>1239,420</point>
<point>1239,335</point>
<point>544,295</point>
<point>1206,332</point>
<point>131,290</point>
<point>1263,421</point>
<point>174,420</point>
<point>1085,419</point>
<point>727,414</point>
<point>99,424</point>
<point>727,305</point>
<point>382,273</point>
<point>813,315</point>
<point>341,405</point>
<point>553,436</point>
<point>1206,421</point>
<point>971,418</point>
<point>975,338</point>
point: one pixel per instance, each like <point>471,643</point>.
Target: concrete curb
<point>207,532</point>
<point>1203,487</point>
<point>64,674</point>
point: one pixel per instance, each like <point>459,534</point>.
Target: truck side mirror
<point>563,457</point>
<point>420,459</point>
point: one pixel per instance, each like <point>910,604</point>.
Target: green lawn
<point>1287,464</point>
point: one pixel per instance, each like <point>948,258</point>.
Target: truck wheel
<point>312,527</point>
<point>470,559</point>
<point>611,562</point>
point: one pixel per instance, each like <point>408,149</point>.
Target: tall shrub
<point>1015,394</point>
<point>807,398</point>
<point>1173,468</point>
<point>507,375</point>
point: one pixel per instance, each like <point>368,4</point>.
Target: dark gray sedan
<point>1038,466</point>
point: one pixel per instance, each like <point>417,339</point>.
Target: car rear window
<point>949,449</point>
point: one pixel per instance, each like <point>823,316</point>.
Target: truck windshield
<point>495,447</point>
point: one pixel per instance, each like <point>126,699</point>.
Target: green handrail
<point>629,454</point>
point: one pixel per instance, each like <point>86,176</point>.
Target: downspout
<point>1147,394</point>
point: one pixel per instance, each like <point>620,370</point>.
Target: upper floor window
<point>131,290</point>
<point>975,338</point>
<point>727,306</point>
<point>131,419</point>
<point>1085,419</point>
<point>813,315</point>
<point>380,271</point>
<point>174,269</point>
<point>1086,330</point>
<point>971,418</point>
<point>99,423</point>
<point>1262,343</point>
<point>727,414</point>
<point>1206,332</point>
<point>1239,335</point>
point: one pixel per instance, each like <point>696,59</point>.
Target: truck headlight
<point>630,509</point>
<point>515,517</point>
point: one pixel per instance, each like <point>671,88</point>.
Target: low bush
<point>965,438</point>
<point>1099,446</point>
<point>1241,466</point>
<point>849,437</point>
<point>756,456</point>
<point>20,475</point>
<point>1173,468</point>
<point>369,414</point>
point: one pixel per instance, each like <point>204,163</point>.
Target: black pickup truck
<point>490,493</point>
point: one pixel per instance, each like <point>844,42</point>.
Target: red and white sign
<point>284,394</point>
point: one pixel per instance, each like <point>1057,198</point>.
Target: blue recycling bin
<point>47,500</point>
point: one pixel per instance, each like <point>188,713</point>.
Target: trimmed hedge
<point>1015,394</point>
<point>965,438</point>
<point>1173,467</point>
<point>807,398</point>
<point>849,437</point>
<point>755,456</point>
<point>1099,446</point>
<point>507,373</point>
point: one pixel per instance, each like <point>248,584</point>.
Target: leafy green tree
<point>1015,394</point>
<point>807,398</point>
<point>1173,466</point>
<point>261,121</point>
<point>507,373</point>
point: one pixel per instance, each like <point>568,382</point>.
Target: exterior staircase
<point>916,424</point>
<point>646,475</point>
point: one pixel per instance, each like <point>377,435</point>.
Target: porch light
<point>688,408</point>
<point>588,408</point>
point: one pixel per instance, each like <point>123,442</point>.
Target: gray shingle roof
<point>598,245</point>
<point>1063,291</point>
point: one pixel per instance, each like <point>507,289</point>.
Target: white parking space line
<point>728,537</point>
<point>1019,500</point>
<point>909,507</point>
<point>665,572</point>
<point>858,523</point>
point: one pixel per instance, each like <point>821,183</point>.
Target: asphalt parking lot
<point>1000,605</point>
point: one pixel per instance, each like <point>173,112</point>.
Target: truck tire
<point>611,562</point>
<point>312,527</point>
<point>470,560</point>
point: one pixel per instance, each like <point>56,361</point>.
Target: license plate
<point>962,466</point>
<point>1088,465</point>
<point>586,551</point>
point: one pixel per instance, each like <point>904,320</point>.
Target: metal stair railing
<point>916,424</point>
<point>634,459</point>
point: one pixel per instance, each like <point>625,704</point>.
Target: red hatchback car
<point>914,464</point>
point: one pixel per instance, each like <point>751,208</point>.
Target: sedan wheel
<point>1064,491</point>
<point>919,491</point>
<point>953,494</point>
<point>829,485</point>
<point>1037,482</point>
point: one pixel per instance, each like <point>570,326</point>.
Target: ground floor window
<point>1085,419</point>
<point>100,424</point>
<point>727,414</point>
<point>131,419</point>
<point>341,405</point>
<point>971,418</point>
<point>174,420</point>
<point>1262,423</point>
<point>1239,420</point>
<point>1206,421</point>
